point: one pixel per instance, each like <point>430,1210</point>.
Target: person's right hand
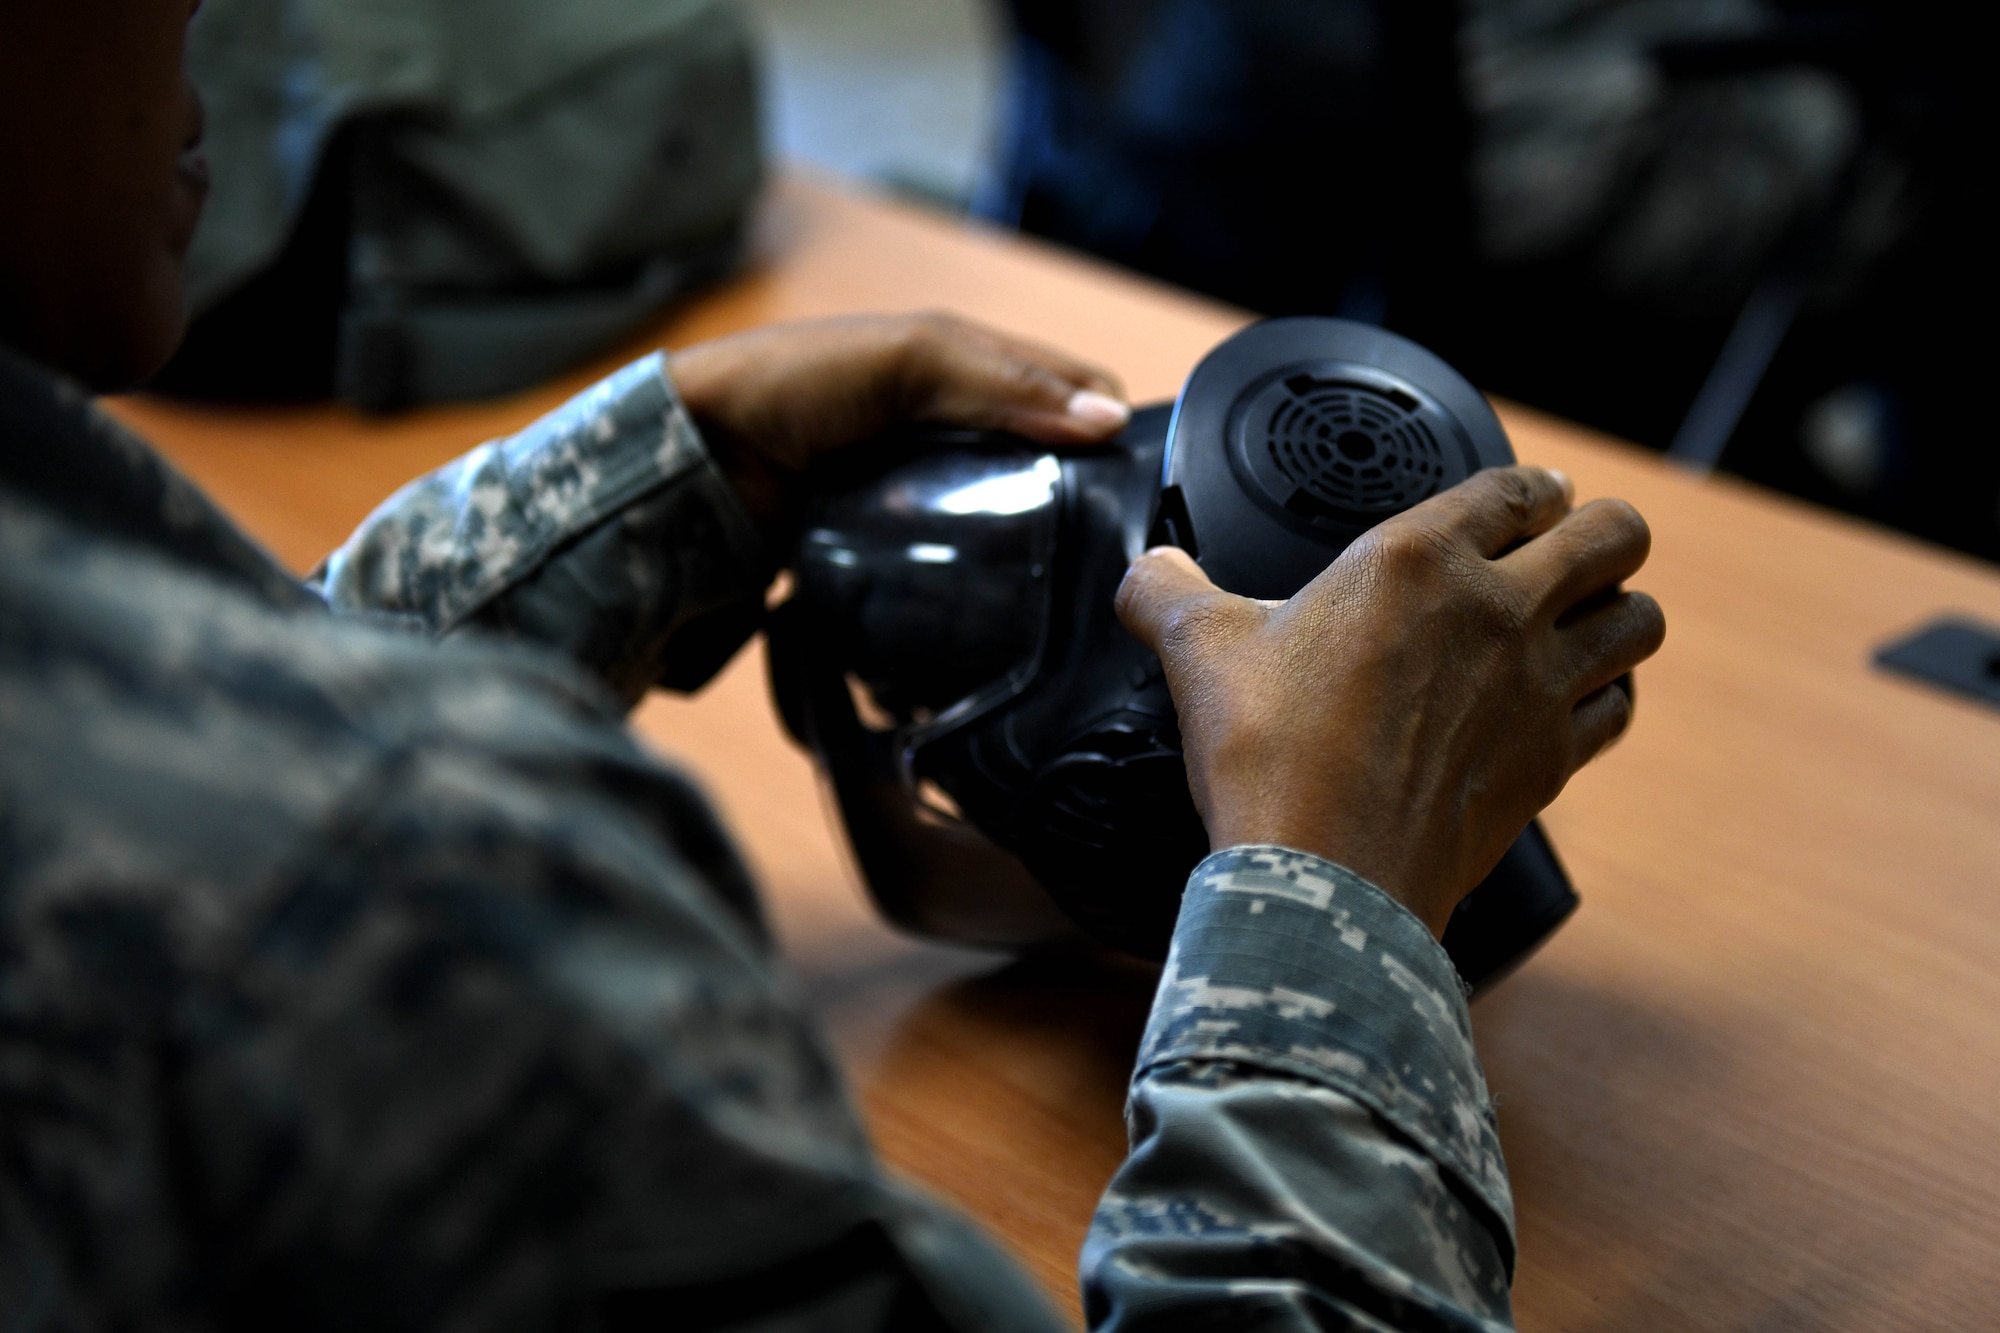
<point>1410,710</point>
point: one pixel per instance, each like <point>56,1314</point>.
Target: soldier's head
<point>100,182</point>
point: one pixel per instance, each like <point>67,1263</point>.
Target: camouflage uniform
<point>358,970</point>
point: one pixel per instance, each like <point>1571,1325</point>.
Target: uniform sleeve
<point>604,530</point>
<point>510,1051</point>
<point>1313,1146</point>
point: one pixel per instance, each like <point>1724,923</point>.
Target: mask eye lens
<point>933,579</point>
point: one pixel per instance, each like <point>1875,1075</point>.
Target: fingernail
<point>1562,480</point>
<point>1098,409</point>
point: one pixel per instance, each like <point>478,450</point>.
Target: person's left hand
<point>770,401</point>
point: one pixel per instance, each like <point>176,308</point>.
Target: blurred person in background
<point>357,970</point>
<point>1739,229</point>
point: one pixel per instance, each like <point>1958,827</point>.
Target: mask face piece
<point>1005,756</point>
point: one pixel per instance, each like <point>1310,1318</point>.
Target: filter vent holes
<point>1338,448</point>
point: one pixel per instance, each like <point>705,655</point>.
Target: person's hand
<point>1410,710</point>
<point>770,401</point>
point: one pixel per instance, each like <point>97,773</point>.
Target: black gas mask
<point>1005,755</point>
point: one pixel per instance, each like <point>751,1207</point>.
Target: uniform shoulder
<point>164,726</point>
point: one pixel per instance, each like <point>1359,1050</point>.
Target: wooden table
<point>1755,1084</point>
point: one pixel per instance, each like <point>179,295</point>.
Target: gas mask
<point>1005,756</point>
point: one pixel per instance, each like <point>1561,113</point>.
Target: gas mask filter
<point>1005,756</point>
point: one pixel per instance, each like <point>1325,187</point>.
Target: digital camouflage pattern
<point>644,566</point>
<point>1310,1034</point>
<point>358,970</point>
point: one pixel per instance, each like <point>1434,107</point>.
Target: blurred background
<point>905,94</point>
<point>1740,231</point>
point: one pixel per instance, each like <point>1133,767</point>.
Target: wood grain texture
<point>1755,1084</point>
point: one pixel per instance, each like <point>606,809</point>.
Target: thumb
<point>1169,603</point>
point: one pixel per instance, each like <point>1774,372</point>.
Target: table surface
<point>1754,1084</point>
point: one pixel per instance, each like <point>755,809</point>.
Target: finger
<point>1075,370</point>
<point>1170,605</point>
<point>968,376</point>
<point>1611,640</point>
<point>1600,718</point>
<point>1596,547</point>
<point>1497,508</point>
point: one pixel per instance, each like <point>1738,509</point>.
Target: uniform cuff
<point>449,544</point>
<point>1284,961</point>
